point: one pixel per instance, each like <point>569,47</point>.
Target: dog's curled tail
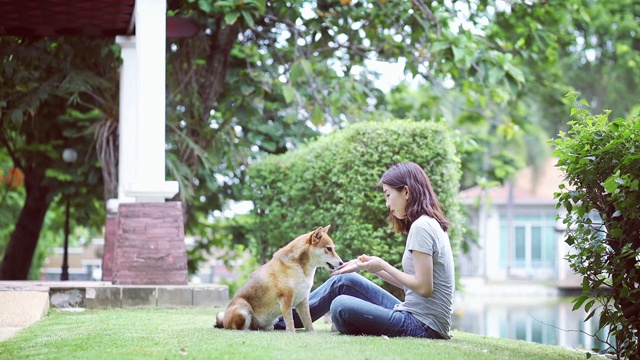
<point>220,320</point>
<point>238,316</point>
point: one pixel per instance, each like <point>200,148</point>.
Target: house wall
<point>536,252</point>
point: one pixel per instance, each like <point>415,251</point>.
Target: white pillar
<point>563,323</point>
<point>128,113</point>
<point>562,249</point>
<point>145,178</point>
<point>482,238</point>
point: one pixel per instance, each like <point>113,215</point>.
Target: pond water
<point>547,321</point>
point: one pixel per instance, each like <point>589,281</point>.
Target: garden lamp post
<point>69,156</point>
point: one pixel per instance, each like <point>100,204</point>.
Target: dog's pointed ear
<point>315,237</point>
<point>326,229</point>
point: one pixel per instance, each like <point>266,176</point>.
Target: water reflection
<point>549,321</point>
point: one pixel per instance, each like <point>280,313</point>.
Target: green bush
<point>602,165</point>
<point>333,181</point>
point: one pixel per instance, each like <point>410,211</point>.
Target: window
<point>533,245</point>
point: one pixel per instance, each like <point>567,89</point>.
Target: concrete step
<point>24,302</point>
<point>98,295</point>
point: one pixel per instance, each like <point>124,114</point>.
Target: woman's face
<point>396,200</point>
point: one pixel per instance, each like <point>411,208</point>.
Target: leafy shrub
<point>602,165</point>
<point>333,181</point>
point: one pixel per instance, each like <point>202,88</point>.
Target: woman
<point>360,307</point>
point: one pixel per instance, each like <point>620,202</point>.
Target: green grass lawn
<point>189,334</point>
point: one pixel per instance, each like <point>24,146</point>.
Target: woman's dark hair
<point>422,199</point>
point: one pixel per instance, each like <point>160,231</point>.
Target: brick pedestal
<point>110,233</point>
<point>149,248</point>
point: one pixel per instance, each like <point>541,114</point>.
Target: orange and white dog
<point>281,284</point>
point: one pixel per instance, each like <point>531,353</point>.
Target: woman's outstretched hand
<point>371,264</point>
<point>348,267</point>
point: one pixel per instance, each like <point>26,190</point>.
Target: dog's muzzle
<point>331,267</point>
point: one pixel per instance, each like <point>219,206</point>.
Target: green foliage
<point>54,91</point>
<point>601,160</point>
<point>604,67</point>
<point>333,181</point>
<point>229,235</point>
<point>244,268</point>
<point>487,152</point>
<point>11,201</point>
<point>261,77</point>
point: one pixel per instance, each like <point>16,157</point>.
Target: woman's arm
<point>388,278</point>
<point>352,266</point>
<point>421,282</point>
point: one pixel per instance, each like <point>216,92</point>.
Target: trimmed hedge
<point>332,180</point>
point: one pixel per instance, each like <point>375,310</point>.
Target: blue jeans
<point>360,307</point>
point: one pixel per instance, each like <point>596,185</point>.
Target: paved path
<point>21,308</point>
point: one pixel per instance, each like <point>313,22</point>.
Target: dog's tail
<point>240,317</point>
<point>220,320</point>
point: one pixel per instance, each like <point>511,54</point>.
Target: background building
<point>518,234</point>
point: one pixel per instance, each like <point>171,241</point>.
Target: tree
<point>604,62</point>
<point>489,67</point>
<point>48,104</point>
<point>236,96</point>
<point>600,159</point>
<point>489,153</point>
<point>262,76</point>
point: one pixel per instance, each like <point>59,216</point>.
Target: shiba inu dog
<point>281,284</point>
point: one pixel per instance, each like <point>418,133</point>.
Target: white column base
<point>153,192</point>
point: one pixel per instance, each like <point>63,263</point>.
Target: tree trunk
<point>220,45</point>
<point>22,245</point>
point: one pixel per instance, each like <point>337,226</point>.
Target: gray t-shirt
<point>427,236</point>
